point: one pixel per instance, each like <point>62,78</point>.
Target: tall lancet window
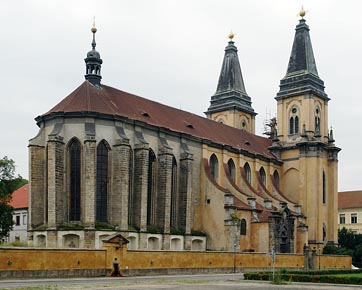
<point>131,201</point>
<point>174,195</point>
<point>317,121</point>
<point>294,122</point>
<point>214,167</point>
<point>324,187</point>
<point>247,172</point>
<point>262,175</point>
<point>74,180</point>
<point>276,178</point>
<point>231,167</point>
<point>102,182</point>
<point>151,189</point>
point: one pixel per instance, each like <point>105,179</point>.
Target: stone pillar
<point>164,189</point>
<point>56,196</point>
<point>37,175</point>
<point>88,213</point>
<point>313,263</point>
<point>141,156</point>
<point>120,189</point>
<point>185,190</point>
<point>306,258</point>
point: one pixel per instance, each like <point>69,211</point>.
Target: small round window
<point>294,110</point>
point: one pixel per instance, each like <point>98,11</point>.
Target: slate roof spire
<point>302,74</point>
<point>230,92</point>
<point>93,62</point>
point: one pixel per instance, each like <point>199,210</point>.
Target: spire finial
<point>231,35</point>
<point>94,30</point>
<point>302,12</point>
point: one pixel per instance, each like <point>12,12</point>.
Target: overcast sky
<point>171,52</point>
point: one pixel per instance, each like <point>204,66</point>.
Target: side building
<point>107,161</point>
<point>350,210</point>
<point>20,201</point>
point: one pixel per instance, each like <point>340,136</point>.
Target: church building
<point>106,161</point>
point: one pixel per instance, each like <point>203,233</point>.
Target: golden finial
<point>302,12</point>
<point>231,35</point>
<point>94,29</point>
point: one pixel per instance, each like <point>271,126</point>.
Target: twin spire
<point>302,74</point>
<point>230,92</point>
<point>301,77</point>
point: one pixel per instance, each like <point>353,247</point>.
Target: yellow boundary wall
<point>36,259</point>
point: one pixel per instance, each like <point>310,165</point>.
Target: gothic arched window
<point>151,188</point>
<point>247,172</point>
<point>231,167</point>
<point>324,187</point>
<point>102,182</point>
<point>244,125</point>
<point>243,227</point>
<point>214,166</point>
<point>131,201</point>
<point>294,122</point>
<point>174,195</point>
<point>262,175</point>
<point>317,121</point>
<point>276,178</point>
<point>74,180</point>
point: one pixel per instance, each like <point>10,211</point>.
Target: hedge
<point>324,276</point>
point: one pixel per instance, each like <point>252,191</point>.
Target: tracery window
<point>151,189</point>
<point>231,167</point>
<point>131,201</point>
<point>294,122</point>
<point>102,182</point>
<point>214,167</point>
<point>74,180</point>
<point>174,195</point>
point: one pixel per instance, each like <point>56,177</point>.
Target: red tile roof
<point>350,199</point>
<point>20,197</point>
<point>115,103</point>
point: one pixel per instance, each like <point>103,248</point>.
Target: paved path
<point>189,282</point>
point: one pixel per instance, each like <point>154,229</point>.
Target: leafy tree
<point>8,183</point>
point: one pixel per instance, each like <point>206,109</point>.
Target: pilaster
<point>121,181</point>
<point>141,158</point>
<point>37,182</point>
<point>56,198</point>
<point>89,183</point>
<point>164,189</point>
<point>185,190</point>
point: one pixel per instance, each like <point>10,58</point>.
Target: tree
<point>8,183</point>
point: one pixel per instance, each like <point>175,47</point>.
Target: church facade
<point>106,161</point>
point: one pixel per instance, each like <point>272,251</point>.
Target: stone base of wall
<point>72,273</point>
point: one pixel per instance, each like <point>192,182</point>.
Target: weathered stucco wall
<point>24,262</point>
<point>51,259</point>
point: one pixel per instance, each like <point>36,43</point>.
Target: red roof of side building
<point>115,103</point>
<point>350,199</point>
<point>20,197</point>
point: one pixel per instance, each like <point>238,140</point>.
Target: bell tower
<point>310,158</point>
<point>93,62</point>
<point>231,104</point>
